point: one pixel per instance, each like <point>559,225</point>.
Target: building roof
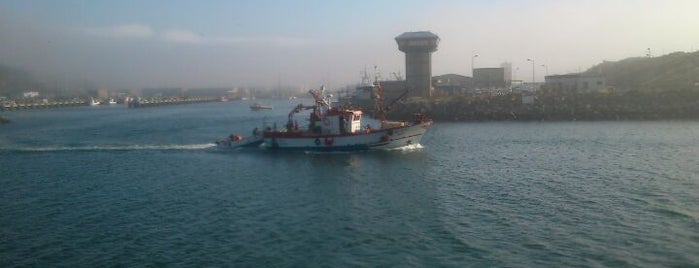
<point>489,69</point>
<point>417,35</point>
<point>452,76</point>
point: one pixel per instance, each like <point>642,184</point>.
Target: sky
<point>261,43</point>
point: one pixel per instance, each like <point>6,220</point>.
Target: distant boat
<point>93,102</point>
<point>111,102</point>
<point>260,107</point>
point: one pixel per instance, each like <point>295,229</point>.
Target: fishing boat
<point>260,107</point>
<point>332,129</point>
<point>342,129</point>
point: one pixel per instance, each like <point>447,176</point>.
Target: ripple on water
<point>491,194</point>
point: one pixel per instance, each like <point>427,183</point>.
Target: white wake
<point>134,147</point>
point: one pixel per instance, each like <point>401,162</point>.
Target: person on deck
<point>343,124</point>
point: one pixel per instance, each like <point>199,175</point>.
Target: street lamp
<point>547,68</point>
<point>472,59</point>
<point>533,71</point>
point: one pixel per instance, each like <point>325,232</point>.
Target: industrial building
<point>452,84</point>
<point>489,78</point>
<point>507,69</point>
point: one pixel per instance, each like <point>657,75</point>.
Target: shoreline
<point>628,106</point>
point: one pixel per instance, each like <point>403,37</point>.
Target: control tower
<point>418,48</point>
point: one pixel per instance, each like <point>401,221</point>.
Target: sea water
<point>112,186</point>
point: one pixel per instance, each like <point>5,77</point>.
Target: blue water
<point>111,186</point>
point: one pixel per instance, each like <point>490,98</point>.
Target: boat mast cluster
<point>322,106</point>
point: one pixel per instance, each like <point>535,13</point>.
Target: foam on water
<point>134,147</point>
<point>409,148</point>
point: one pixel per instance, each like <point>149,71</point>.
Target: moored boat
<point>93,102</point>
<point>260,107</point>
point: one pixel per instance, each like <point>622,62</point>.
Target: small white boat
<point>93,102</point>
<point>237,141</point>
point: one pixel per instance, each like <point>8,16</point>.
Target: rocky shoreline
<point>633,105</point>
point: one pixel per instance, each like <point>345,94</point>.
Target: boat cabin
<point>337,121</point>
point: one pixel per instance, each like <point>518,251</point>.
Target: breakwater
<point>151,102</point>
<point>632,105</point>
<point>22,104</point>
<point>43,104</point>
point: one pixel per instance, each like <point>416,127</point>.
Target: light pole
<point>515,74</point>
<point>547,68</point>
<point>472,59</point>
<point>533,72</point>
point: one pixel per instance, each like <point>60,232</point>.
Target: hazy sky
<point>155,43</point>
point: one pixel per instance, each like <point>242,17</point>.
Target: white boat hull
<point>383,139</point>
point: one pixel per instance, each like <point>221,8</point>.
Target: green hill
<point>675,71</point>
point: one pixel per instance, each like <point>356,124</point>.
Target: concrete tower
<point>418,48</point>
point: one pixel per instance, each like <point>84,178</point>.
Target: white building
<point>31,94</point>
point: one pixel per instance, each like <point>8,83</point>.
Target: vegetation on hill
<point>675,71</point>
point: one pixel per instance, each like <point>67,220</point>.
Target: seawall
<point>668,105</point>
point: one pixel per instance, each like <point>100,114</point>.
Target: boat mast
<point>379,97</point>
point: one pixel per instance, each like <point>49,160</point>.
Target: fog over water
<point>306,43</point>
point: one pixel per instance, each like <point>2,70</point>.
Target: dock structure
<point>418,48</point>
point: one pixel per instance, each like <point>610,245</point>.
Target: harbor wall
<point>633,105</point>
